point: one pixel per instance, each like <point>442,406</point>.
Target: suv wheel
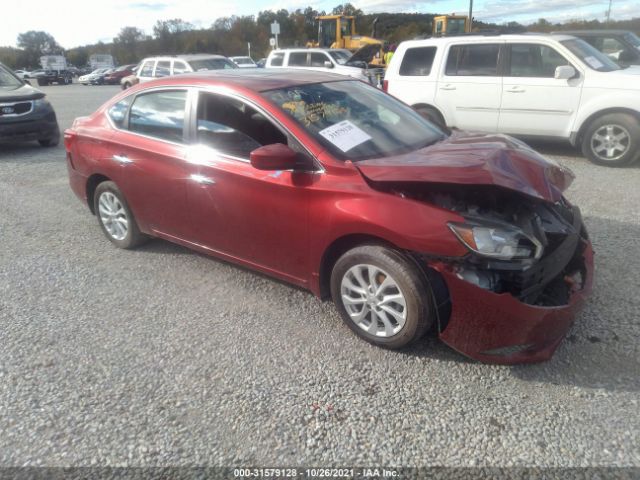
<point>432,115</point>
<point>612,140</point>
<point>381,296</point>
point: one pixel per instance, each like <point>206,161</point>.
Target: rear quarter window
<point>118,112</point>
<point>417,61</point>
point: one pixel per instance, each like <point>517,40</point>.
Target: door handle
<point>202,180</point>
<point>448,87</point>
<point>516,90</point>
<point>123,159</point>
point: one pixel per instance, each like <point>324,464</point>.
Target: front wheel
<point>432,115</point>
<point>612,140</point>
<point>382,296</point>
<point>115,217</point>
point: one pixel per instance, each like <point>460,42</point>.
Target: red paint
<point>283,222</point>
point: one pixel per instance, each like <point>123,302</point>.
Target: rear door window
<point>163,68</point>
<point>479,60</point>
<point>298,59</point>
<point>417,61</point>
<point>159,115</point>
<point>147,69</point>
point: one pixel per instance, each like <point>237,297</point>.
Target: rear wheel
<point>432,115</point>
<point>126,85</point>
<point>612,140</point>
<point>382,296</point>
<point>115,217</point>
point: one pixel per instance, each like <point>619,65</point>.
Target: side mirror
<point>328,64</point>
<point>273,157</point>
<point>564,72</point>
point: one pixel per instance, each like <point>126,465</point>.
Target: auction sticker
<point>345,135</point>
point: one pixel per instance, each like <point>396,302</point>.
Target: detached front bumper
<point>499,328</point>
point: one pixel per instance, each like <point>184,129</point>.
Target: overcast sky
<point>79,22</point>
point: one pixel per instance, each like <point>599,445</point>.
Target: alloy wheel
<point>373,300</point>
<point>610,142</point>
<point>113,216</point>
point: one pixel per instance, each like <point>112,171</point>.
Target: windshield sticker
<point>345,135</point>
<point>593,62</point>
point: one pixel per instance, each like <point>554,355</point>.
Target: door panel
<point>533,101</point>
<point>469,88</point>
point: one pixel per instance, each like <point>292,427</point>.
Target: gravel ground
<point>162,356</point>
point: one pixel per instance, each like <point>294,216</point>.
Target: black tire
<point>612,125</point>
<point>432,115</point>
<point>42,82</point>
<point>418,309</point>
<point>133,236</point>
<point>126,85</point>
<point>50,142</point>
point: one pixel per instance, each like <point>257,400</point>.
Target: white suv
<point>340,61</point>
<point>528,85</point>
<point>156,67</point>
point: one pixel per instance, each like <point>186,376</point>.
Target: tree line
<point>231,35</point>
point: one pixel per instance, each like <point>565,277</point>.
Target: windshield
<point>633,39</point>
<point>355,121</point>
<point>8,81</point>
<point>590,56</point>
<point>211,64</point>
<point>339,56</point>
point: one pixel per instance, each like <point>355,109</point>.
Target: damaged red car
<point>333,185</point>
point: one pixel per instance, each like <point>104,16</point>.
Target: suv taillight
<point>385,85</point>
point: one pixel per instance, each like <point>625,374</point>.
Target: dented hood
<point>475,159</point>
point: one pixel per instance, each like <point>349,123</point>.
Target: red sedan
<point>335,186</point>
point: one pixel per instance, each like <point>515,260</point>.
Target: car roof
<point>593,32</point>
<point>187,57</point>
<point>258,80</point>
<point>481,38</point>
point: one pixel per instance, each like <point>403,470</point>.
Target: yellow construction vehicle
<point>339,31</point>
<point>451,25</point>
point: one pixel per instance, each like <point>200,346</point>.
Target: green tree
<point>38,43</point>
<point>126,44</point>
<point>347,9</point>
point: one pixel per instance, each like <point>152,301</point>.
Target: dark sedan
<point>25,113</point>
<point>118,74</point>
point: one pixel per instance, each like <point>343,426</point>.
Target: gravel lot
<point>162,356</point>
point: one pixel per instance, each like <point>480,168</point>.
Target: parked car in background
<point>129,81</point>
<point>261,63</point>
<point>622,46</point>
<point>554,86</point>
<point>25,113</point>
<point>21,73</point>
<point>244,62</point>
<point>339,61</point>
<point>54,71</point>
<point>157,67</point>
<point>328,183</point>
<point>118,74</point>
<point>93,78</point>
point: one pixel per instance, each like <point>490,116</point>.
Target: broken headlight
<point>503,242</point>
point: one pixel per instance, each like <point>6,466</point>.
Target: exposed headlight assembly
<point>41,103</point>
<point>503,242</point>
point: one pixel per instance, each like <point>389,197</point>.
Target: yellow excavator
<point>339,31</point>
<point>451,25</point>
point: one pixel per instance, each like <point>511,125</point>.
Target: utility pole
<point>609,12</point>
<point>471,15</point>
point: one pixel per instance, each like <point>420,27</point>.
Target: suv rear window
<point>473,60</point>
<point>417,61</point>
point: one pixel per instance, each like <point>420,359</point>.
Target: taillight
<point>385,85</point>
